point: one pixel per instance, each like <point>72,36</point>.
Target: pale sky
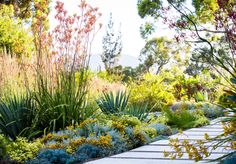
<point>125,13</point>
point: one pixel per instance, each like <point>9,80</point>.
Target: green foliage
<point>129,121</point>
<point>14,38</point>
<point>205,9</point>
<point>63,105</point>
<point>21,149</point>
<point>225,101</point>
<point>146,30</point>
<point>162,129</point>
<point>111,103</point>
<point>157,51</point>
<point>151,89</point>
<point>185,119</point>
<point>138,110</point>
<point>109,77</point>
<point>136,137</point>
<point>86,152</point>
<point>22,7</point>
<point>210,110</point>
<point>199,88</point>
<point>2,146</point>
<point>17,116</point>
<point>148,7</point>
<point>183,105</point>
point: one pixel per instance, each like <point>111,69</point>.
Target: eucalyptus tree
<point>112,46</point>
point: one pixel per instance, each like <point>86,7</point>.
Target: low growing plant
<point>22,150</point>
<point>17,116</point>
<point>185,119</point>
<point>2,147</point>
<point>162,129</point>
<point>210,110</point>
<point>50,156</point>
<point>87,151</point>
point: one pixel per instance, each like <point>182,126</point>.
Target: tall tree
<point>209,25</point>
<point>112,46</point>
<point>22,8</point>
<point>15,39</point>
<point>160,51</point>
<point>156,52</point>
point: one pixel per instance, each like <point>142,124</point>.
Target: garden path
<point>153,152</point>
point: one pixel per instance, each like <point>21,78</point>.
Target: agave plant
<point>138,110</point>
<point>111,103</point>
<point>16,116</point>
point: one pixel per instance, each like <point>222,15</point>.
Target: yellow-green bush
<point>2,146</point>
<point>22,150</point>
<point>152,90</point>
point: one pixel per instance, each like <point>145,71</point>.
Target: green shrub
<point>136,137</point>
<point>182,105</point>
<point>88,151</point>
<point>21,149</point>
<point>152,90</point>
<point>2,147</point>
<point>162,129</point>
<point>109,77</point>
<point>185,119</point>
<point>150,131</point>
<point>111,103</point>
<point>210,110</point>
<point>199,88</point>
<point>15,38</point>
<point>17,116</point>
<point>127,120</point>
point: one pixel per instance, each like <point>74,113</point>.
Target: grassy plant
<point>17,116</point>
<point>15,75</point>
<point>111,103</point>
<point>63,105</point>
<point>62,67</point>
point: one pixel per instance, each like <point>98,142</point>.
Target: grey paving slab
<point>189,137</point>
<point>146,161</point>
<point>157,148</point>
<point>195,133</point>
<point>166,142</point>
<point>205,130</point>
<point>157,155</point>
